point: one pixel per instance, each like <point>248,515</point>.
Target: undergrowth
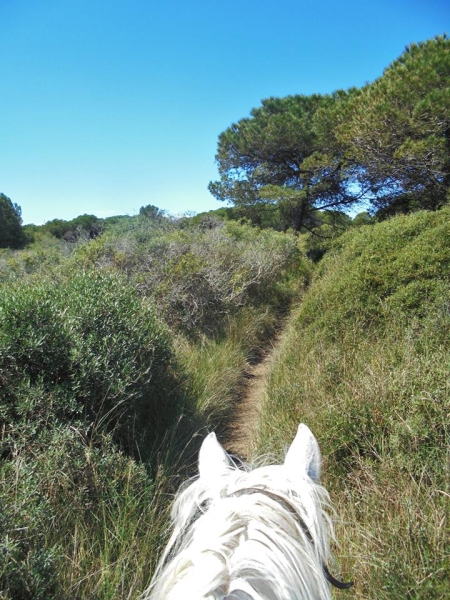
<point>109,384</point>
<point>365,362</point>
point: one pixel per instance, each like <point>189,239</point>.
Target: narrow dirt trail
<point>243,427</point>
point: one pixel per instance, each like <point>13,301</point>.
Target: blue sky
<point>107,105</point>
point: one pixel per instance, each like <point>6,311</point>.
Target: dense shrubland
<point>108,384</point>
<point>115,354</point>
<point>85,350</point>
<point>199,275</point>
<point>365,361</point>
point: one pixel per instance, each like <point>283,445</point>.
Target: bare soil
<point>241,440</point>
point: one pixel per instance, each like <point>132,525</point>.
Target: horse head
<point>250,533</point>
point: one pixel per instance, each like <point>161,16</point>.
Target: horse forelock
<point>252,535</point>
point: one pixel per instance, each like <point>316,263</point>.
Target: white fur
<point>241,535</point>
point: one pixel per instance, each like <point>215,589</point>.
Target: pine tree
<point>397,130</point>
<point>11,233</point>
<point>281,158</point>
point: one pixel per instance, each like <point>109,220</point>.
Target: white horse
<point>259,534</point>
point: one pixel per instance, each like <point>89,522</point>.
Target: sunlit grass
<point>216,366</point>
<point>372,382</point>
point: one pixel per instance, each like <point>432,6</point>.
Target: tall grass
<point>216,366</point>
<point>365,361</point>
<point>79,522</point>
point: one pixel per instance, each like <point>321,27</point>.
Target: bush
<point>77,520</point>
<point>372,270</point>
<point>199,278</point>
<point>85,349</point>
<point>199,275</point>
<point>45,255</point>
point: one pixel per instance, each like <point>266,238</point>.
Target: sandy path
<point>242,430</point>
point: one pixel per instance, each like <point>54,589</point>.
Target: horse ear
<point>304,454</point>
<point>212,459</point>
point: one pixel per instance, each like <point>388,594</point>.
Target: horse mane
<point>247,533</point>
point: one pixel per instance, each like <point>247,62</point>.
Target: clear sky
<point>109,105</point>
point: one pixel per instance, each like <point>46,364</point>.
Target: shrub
<point>44,255</point>
<point>397,264</point>
<point>85,349</point>
<point>77,520</point>
<point>199,275</point>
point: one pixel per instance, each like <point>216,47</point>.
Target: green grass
<point>216,366</point>
<point>365,362</point>
<point>78,521</point>
<point>103,406</point>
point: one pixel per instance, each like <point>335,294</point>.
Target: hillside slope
<point>365,361</point>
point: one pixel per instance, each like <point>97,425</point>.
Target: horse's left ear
<point>304,454</point>
<point>212,459</point>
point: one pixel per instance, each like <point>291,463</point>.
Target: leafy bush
<point>398,264</point>
<point>85,349</point>
<point>83,226</point>
<point>84,364</point>
<point>44,255</point>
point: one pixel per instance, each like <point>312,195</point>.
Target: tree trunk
<point>301,211</point>
<point>447,160</point>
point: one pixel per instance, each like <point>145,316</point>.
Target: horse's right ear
<point>212,459</point>
<point>304,454</point>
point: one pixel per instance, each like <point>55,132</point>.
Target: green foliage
<point>200,274</point>
<point>11,234</point>
<point>397,131</point>
<point>281,157</point>
<point>362,218</point>
<point>86,350</point>
<point>88,226</point>
<point>364,362</point>
<point>151,212</point>
<point>387,143</point>
<point>328,225</point>
<point>45,255</point>
<point>84,366</point>
<point>398,264</point>
<point>77,520</point>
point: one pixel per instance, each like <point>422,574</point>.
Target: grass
<point>364,362</point>
<point>83,522</point>
<point>216,366</point>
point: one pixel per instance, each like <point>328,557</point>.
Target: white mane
<point>249,535</point>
